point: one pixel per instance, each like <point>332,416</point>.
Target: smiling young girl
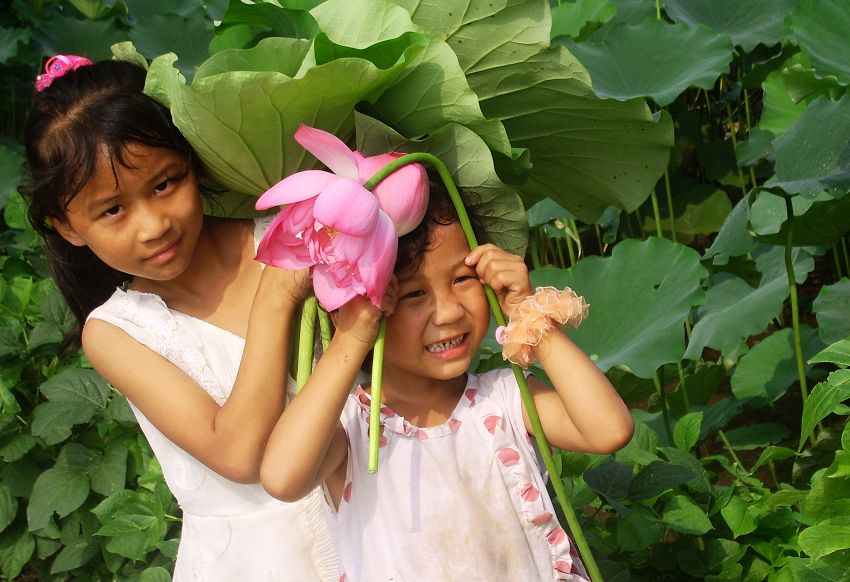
<point>177,315</point>
<point>459,494</point>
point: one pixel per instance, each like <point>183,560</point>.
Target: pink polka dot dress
<point>464,500</point>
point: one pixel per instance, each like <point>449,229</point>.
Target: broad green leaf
<point>52,421</point>
<point>77,458</point>
<point>186,35</point>
<point>757,147</point>
<point>824,219</point>
<point>546,210</point>
<point>16,549</point>
<point>686,431</point>
<point>832,568</point>
<point>11,39</point>
<point>93,9</point>
<point>155,574</point>
<point>831,307</point>
<point>748,22</point>
<point>110,475</point>
<point>77,387</point>
<point>14,447</point>
<point>244,24</point>
<point>141,9</point>
<point>685,516</point>
<point>654,59</point>
<point>55,491</point>
<point>826,536</point>
<point>701,483</point>
<point>133,520</point>
<point>212,112</point>
<point>768,211</point>
<point>578,19</point>
<point>11,168</point>
<point>802,82</point>
<point>837,353</point>
<point>75,553</point>
<point>822,401</point>
<point>733,310</point>
<point>822,30</point>
<point>658,477</point>
<point>765,372</point>
<point>825,495</point>
<point>780,110</point>
<point>497,206</point>
<point>734,238</point>
<point>741,516</point>
<point>79,37</point>
<point>645,291</point>
<point>641,450</point>
<point>8,506</point>
<point>756,436</point>
<point>639,529</point>
<point>611,480</point>
<point>814,154</point>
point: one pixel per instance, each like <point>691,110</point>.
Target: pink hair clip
<point>58,66</point>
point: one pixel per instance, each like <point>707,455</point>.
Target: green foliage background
<point>684,164</point>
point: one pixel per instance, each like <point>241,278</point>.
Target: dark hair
<point>441,211</point>
<point>95,109</point>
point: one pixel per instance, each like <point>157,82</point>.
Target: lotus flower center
<point>331,231</point>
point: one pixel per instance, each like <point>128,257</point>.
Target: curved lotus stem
<point>496,309</point>
<point>306,340</point>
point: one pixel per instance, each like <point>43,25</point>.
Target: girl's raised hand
<point>504,272</point>
<point>359,318</point>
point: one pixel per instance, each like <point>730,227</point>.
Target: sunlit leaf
<point>682,514</point>
<point>687,429</point>
<point>826,536</point>
<point>837,353</point>
<point>822,401</point>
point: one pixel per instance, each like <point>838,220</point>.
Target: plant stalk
<point>325,328</point>
<point>665,414</point>
<point>670,205</point>
<point>306,341</point>
<point>528,401</point>
<point>375,403</point>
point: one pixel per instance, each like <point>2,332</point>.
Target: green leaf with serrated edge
<point>822,401</point>
<point>765,372</point>
<point>685,516</point>
<point>756,436</point>
<point>658,477</point>
<point>733,310</point>
<point>831,307</point>
<point>821,31</point>
<point>655,59</point>
<point>661,282</point>
<point>837,353</point>
<point>8,507</point>
<point>55,491</point>
<point>686,431</point>
<point>814,154</point>
<point>638,530</point>
<point>16,549</point>
<point>825,537</point>
<point>748,22</point>
<point>496,206</point>
<point>77,386</point>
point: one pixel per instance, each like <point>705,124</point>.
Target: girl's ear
<point>66,231</point>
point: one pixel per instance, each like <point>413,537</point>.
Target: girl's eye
<point>464,278</point>
<point>162,186</point>
<point>412,294</point>
<point>112,211</point>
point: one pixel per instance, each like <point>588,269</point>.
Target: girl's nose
<point>152,223</point>
<point>447,309</point>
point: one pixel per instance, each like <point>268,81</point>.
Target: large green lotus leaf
<point>734,311</point>
<point>497,207</point>
<point>632,12</point>
<point>654,59</point>
<point>78,37</point>
<point>819,220</point>
<point>734,238</point>
<point>588,153</point>
<point>822,29</point>
<point>282,55</point>
<point>698,209</point>
<point>803,82</point>
<point>581,18</point>
<point>242,123</point>
<point>832,307</point>
<point>748,22</point>
<point>187,36</point>
<point>639,299</point>
<point>250,22</point>
<point>814,155</point>
<point>766,372</point>
<point>780,111</point>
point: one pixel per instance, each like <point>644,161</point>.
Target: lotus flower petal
<point>328,149</point>
<point>347,206</point>
<point>330,295</point>
<point>378,259</point>
<point>403,195</point>
<point>281,249</point>
<point>295,188</point>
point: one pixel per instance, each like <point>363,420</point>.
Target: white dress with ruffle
<point>461,501</point>
<point>231,531</point>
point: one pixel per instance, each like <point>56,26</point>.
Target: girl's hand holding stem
<point>504,272</point>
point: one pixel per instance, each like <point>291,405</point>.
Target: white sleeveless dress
<point>231,531</point>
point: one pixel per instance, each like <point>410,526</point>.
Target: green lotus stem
<point>535,256</point>
<point>495,308</point>
<point>795,307</point>
<point>598,232</point>
<point>306,341</point>
<point>656,213</point>
<point>375,403</point>
<point>665,414</point>
<point>670,204</point>
<point>846,255</point>
<point>658,9</point>
<point>325,328</point>
<point>838,273</point>
<point>560,254</point>
<point>571,237</point>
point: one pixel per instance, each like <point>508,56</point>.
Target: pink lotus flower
<point>334,225</point>
<point>403,195</point>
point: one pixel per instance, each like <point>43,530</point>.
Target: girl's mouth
<point>446,345</point>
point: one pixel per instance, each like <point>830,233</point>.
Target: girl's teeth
<point>443,346</point>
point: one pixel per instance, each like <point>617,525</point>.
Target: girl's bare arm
<point>229,439</point>
<point>583,412</point>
